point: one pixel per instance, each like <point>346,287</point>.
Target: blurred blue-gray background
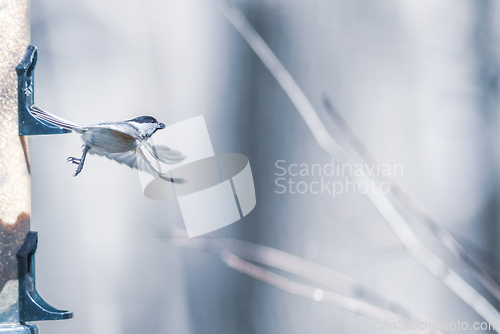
<point>417,80</point>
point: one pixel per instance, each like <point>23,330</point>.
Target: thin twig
<point>297,266</point>
<point>318,295</point>
<point>413,206</point>
<point>416,249</point>
<point>350,289</point>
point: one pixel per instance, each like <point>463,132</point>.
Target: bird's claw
<point>75,161</point>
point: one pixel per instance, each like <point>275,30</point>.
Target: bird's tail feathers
<point>45,116</point>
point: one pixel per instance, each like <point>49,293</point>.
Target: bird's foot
<point>78,162</point>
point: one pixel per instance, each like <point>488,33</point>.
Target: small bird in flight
<point>119,141</point>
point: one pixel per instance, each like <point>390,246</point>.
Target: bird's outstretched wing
<point>45,116</point>
<point>163,153</point>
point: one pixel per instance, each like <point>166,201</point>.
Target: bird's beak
<point>161,126</point>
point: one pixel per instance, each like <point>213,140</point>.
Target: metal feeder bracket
<point>31,306</point>
<point>29,125</point>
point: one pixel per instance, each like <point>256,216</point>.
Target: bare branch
<point>413,206</point>
<point>416,249</point>
<point>319,295</point>
<point>297,266</point>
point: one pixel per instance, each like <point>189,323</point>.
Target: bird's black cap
<point>144,119</point>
